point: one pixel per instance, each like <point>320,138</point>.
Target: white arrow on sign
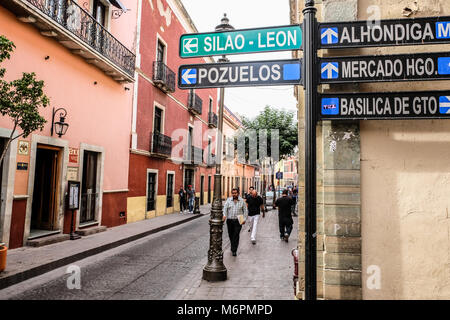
<point>188,46</point>
<point>330,33</point>
<point>330,68</point>
<point>187,76</point>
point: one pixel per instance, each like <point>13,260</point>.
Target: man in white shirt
<point>234,207</point>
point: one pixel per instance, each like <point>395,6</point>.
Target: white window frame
<point>173,187</point>
<point>108,13</point>
<point>146,190</point>
<point>159,38</point>
<point>163,120</point>
<point>99,183</point>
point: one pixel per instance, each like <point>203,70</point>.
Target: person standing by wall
<point>284,215</point>
<point>255,206</point>
<point>191,198</point>
<point>182,194</point>
<point>233,208</point>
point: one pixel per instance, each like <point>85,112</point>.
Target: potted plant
<point>3,250</point>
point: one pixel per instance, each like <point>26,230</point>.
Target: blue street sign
<point>384,68</point>
<point>329,35</point>
<point>444,65</point>
<point>240,74</point>
<point>189,76</point>
<point>380,33</point>
<point>291,71</point>
<point>442,30</point>
<point>330,70</point>
<point>444,105</point>
<point>279,175</point>
<point>330,106</point>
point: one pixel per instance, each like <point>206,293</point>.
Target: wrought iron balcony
<point>212,120</point>
<point>193,155</point>
<point>160,145</point>
<point>76,29</point>
<point>163,77</point>
<point>195,103</point>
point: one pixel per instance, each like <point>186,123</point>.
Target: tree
<point>271,118</point>
<point>20,99</point>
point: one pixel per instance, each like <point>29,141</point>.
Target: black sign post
<point>310,75</point>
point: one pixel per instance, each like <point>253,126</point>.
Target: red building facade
<point>173,130</point>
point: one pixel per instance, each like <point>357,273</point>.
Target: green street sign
<point>241,41</point>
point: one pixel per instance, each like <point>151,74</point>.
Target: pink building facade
<point>173,130</point>
<point>85,53</point>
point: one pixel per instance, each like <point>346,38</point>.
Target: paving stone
<point>261,271</point>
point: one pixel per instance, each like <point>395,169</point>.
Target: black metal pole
<point>215,269</point>
<point>310,58</point>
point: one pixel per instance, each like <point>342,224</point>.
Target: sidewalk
<point>28,262</point>
<point>261,271</point>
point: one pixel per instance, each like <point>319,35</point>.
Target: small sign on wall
<point>73,155</point>
<point>72,173</point>
<point>22,166</point>
<point>23,148</point>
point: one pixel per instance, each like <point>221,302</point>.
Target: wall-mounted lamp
<point>59,126</point>
<point>47,57</point>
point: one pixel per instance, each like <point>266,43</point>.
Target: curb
<point>39,270</point>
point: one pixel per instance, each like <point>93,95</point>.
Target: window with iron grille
<point>169,202</point>
<point>151,191</point>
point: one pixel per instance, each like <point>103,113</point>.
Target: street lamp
<point>60,127</point>
<point>215,270</point>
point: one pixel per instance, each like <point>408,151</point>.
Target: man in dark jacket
<point>284,215</point>
<point>182,194</point>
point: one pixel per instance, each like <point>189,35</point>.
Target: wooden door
<point>45,192</point>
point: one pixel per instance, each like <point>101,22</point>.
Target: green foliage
<point>21,99</point>
<point>272,118</point>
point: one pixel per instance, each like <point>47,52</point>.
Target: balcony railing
<point>195,103</point>
<point>73,18</point>
<point>212,120</point>
<point>163,77</point>
<point>193,155</point>
<point>160,145</point>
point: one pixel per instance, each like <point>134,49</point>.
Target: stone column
<point>340,212</point>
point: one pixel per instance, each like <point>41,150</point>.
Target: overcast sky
<point>244,14</point>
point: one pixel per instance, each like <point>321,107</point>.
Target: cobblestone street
<point>168,265</point>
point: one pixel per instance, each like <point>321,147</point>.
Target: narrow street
<point>168,264</point>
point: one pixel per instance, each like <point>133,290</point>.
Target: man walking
<point>233,208</point>
<point>182,194</point>
<point>255,205</point>
<point>191,198</point>
<point>284,215</point>
<point>249,194</point>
